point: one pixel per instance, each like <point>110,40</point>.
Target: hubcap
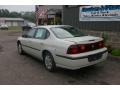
<point>48,62</point>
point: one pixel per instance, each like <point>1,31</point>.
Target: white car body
<point>58,48</point>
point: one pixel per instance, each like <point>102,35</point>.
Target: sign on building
<point>99,13</point>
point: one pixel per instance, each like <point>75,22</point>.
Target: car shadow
<point>82,72</point>
<point>86,75</point>
<point>33,58</point>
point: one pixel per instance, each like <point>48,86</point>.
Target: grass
<point>13,29</point>
<point>115,51</point>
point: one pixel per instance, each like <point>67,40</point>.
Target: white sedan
<point>62,46</point>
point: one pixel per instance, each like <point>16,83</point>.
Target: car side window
<point>41,33</point>
<point>31,33</point>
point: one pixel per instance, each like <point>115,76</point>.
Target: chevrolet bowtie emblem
<point>92,46</point>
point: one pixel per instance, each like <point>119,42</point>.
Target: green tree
<point>15,14</point>
<point>30,16</point>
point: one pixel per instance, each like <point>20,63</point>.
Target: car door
<point>26,42</point>
<point>39,41</point>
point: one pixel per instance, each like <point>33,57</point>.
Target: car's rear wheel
<point>20,50</point>
<point>49,62</point>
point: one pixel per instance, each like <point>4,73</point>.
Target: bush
<point>115,52</point>
<point>105,37</point>
<point>109,47</point>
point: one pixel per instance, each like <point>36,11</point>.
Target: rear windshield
<point>66,32</point>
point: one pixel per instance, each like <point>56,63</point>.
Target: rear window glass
<point>66,32</point>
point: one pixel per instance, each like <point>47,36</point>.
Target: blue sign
<point>100,13</point>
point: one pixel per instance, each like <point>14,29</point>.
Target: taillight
<point>73,49</point>
<point>82,48</point>
<point>101,44</point>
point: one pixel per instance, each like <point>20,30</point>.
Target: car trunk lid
<point>84,39</point>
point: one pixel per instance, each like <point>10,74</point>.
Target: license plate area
<point>94,57</point>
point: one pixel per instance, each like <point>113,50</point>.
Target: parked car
<point>62,46</point>
<point>28,26</point>
<point>4,27</point>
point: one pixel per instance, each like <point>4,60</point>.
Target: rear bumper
<point>79,62</point>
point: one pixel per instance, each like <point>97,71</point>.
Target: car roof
<point>50,26</point>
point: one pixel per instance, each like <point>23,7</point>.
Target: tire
<point>49,62</point>
<point>20,50</point>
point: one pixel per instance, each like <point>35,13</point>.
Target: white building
<point>12,21</point>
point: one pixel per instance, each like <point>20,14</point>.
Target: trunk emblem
<point>92,46</point>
